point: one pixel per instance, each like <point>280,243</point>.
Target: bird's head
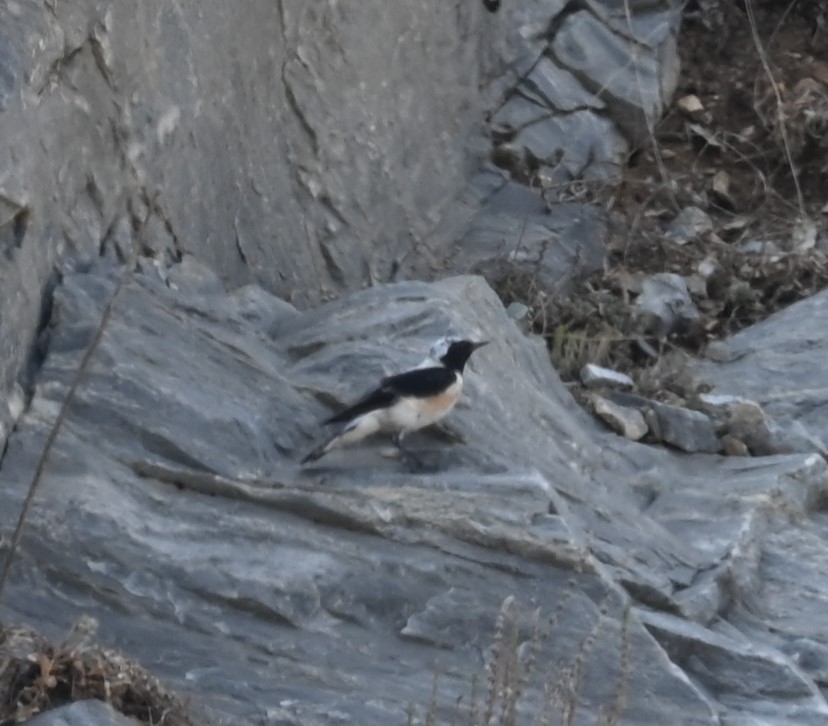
<point>457,352</point>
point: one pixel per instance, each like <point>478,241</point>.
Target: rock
<point>731,666</point>
<point>173,511</point>
<point>594,376</point>
<point>308,217</point>
<point>778,364</point>
<point>185,456</point>
<point>734,446</point>
<point>628,422</point>
<point>82,713</point>
<point>665,306</point>
<point>717,351</point>
<point>636,98</point>
<point>736,224</point>
<point>191,274</point>
<point>731,511</point>
<point>715,277</point>
<point>127,146</point>
<point>688,430</point>
<point>743,420</point>
<point>720,186</point>
<point>811,656</point>
<point>516,113</point>
<point>518,311</point>
<point>171,506</point>
<point>557,89</point>
<point>690,105</point>
<point>580,144</point>
<point>768,248</point>
<point>550,251</point>
<point>689,225</point>
<point>804,235</point>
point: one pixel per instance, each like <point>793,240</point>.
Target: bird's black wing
<point>419,383</point>
<point>382,397</point>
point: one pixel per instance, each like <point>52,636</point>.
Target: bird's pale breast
<point>415,413</point>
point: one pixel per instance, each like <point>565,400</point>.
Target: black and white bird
<point>406,402</point>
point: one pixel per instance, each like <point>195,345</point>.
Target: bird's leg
<point>407,456</point>
<point>444,433</point>
<point>397,438</point>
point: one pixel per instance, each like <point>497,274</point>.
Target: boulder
<point>779,364</point>
<point>172,509</point>
<point>82,713</point>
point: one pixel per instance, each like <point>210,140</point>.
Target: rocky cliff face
<point>304,146</point>
<point>173,510</point>
<point>256,159</point>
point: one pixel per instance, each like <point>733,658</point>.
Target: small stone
<point>719,405</point>
<point>594,376</point>
<point>690,105</point>
<point>697,285</point>
<point>804,235</point>
<point>759,247</point>
<point>748,132</point>
<point>743,420</point>
<point>518,312</point>
<point>707,267</point>
<point>720,186</point>
<point>629,422</point>
<point>665,305</point>
<point>688,430</point>
<point>690,224</point>
<point>737,224</point>
<point>733,446</point>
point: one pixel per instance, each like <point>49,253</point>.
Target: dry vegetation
<point>36,676</point>
<point>754,155</point>
<point>520,685</point>
<point>746,141</point>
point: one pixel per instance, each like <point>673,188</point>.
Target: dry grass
<point>36,676</point>
<point>521,688</point>
<point>764,124</point>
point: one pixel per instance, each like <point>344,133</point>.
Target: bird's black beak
<point>475,346</point>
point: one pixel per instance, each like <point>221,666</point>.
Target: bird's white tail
<point>356,430</point>
<point>322,449</point>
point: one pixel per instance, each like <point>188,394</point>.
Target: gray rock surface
<point>780,364</point>
<point>276,145</point>
<point>83,713</point>
<point>280,149</point>
<point>173,511</point>
<point>688,430</point>
<point>548,250</point>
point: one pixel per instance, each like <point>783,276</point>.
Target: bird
<point>407,401</point>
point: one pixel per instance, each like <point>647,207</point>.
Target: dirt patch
<point>36,676</point>
<point>752,105</point>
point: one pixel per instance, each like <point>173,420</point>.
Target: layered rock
<point>173,510</point>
